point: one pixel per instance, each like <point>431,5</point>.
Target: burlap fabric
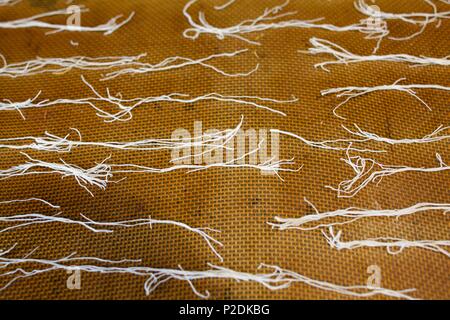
<point>238,202</point>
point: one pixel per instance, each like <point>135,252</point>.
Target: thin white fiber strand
<point>8,105</point>
<point>269,20</point>
<point>368,171</point>
<point>36,22</point>
<point>344,56</point>
<point>392,245</point>
<point>420,19</point>
<point>24,220</point>
<point>349,215</point>
<point>125,107</point>
<point>63,65</point>
<point>276,279</point>
<point>53,143</point>
<point>177,62</point>
<point>269,166</point>
<point>98,175</point>
<point>436,136</point>
<point>225,5</point>
<point>30,200</point>
<point>336,145</point>
<point>352,92</point>
<point>51,265</point>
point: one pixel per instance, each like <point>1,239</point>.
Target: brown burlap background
<point>237,202</point>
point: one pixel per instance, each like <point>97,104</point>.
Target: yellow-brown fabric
<point>238,202</point>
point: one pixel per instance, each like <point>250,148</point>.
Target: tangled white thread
<point>352,92</point>
<point>98,175</point>
<point>63,65</point>
<point>276,279</point>
<point>344,56</point>
<point>53,143</point>
<point>435,136</point>
<point>126,106</point>
<point>24,220</point>
<point>101,174</point>
<point>336,145</point>
<point>350,215</point>
<point>267,21</point>
<point>368,171</point>
<point>392,245</point>
<point>177,62</point>
<point>268,166</point>
<point>36,22</point>
<point>421,19</point>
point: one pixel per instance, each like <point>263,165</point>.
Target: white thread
<point>344,56</point>
<point>180,62</point>
<point>63,65</point>
<point>36,22</point>
<point>53,143</point>
<point>336,145</point>
<point>353,92</point>
<point>269,20</point>
<point>435,136</point>
<point>29,200</point>
<point>126,106</point>
<point>421,19</point>
<point>347,144</point>
<point>352,214</point>
<point>276,279</point>
<point>106,226</point>
<point>225,5</point>
<point>20,272</point>
<point>368,171</point>
<point>392,245</point>
<point>268,166</point>
<point>98,175</point>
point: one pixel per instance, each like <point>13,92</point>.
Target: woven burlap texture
<point>239,202</point>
